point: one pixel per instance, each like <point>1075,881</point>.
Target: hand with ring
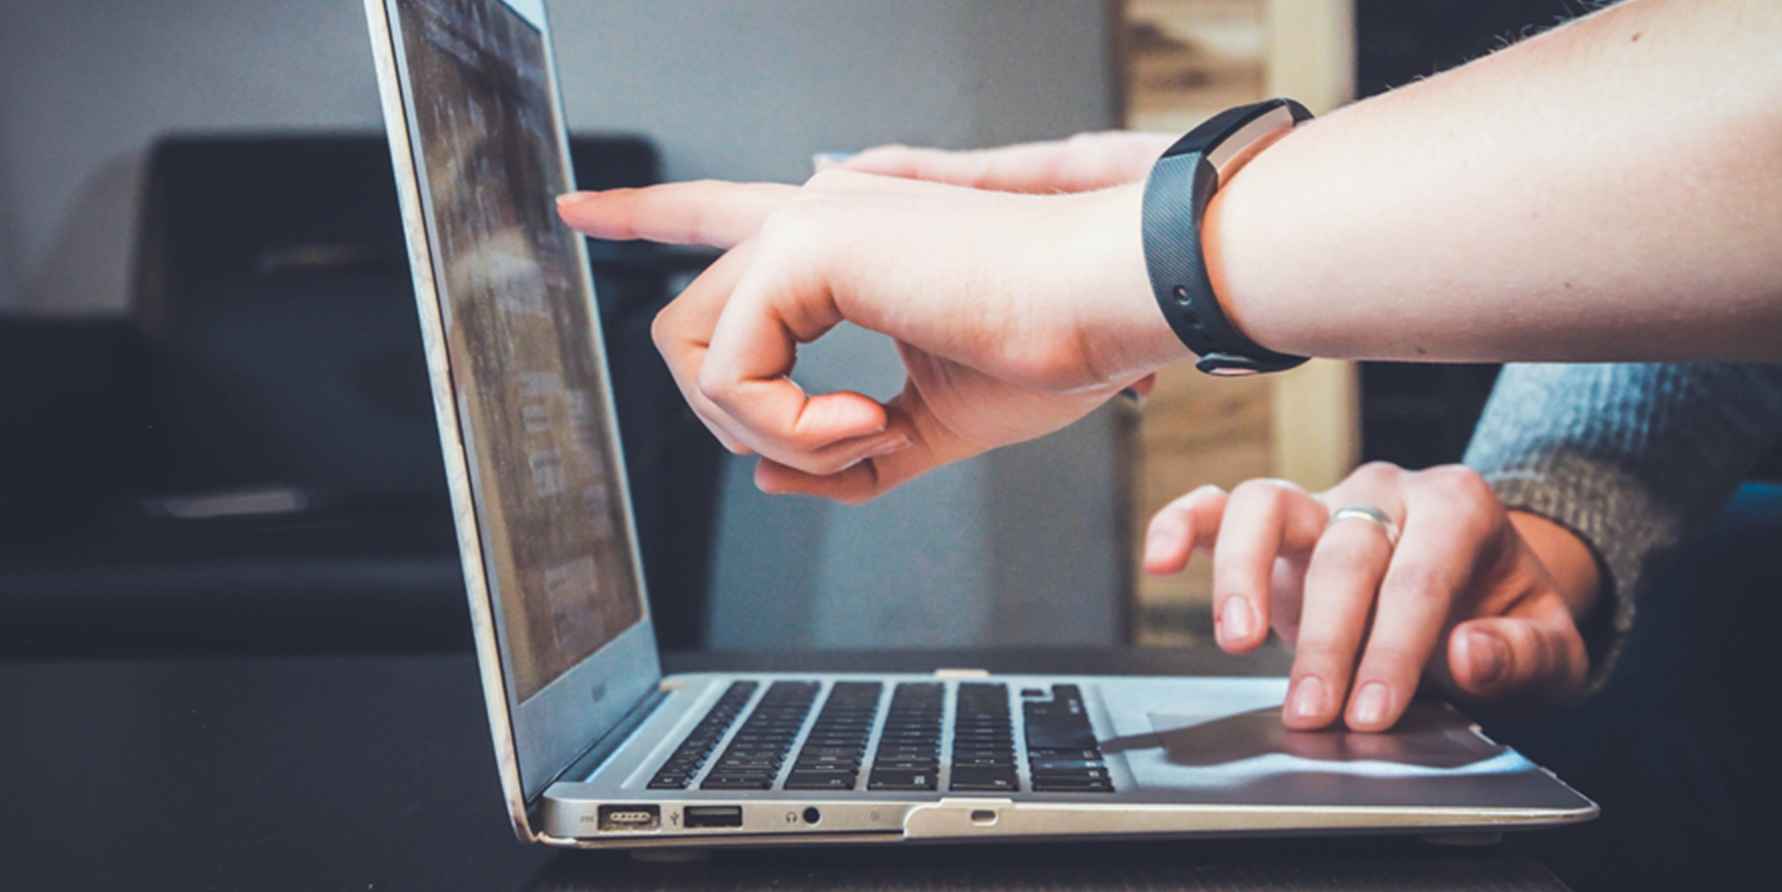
<point>1478,602</point>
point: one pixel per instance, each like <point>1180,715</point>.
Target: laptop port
<point>711,816</point>
<point>633,818</point>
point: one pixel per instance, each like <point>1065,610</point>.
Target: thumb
<point>1538,660</point>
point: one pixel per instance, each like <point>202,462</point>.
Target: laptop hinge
<point>597,752</point>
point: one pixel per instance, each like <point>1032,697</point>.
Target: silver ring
<point>1372,515</point>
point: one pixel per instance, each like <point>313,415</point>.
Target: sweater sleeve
<point>1635,459</point>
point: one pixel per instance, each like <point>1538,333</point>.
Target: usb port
<point>633,818</point>
<point>712,816</point>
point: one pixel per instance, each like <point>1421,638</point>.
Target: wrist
<point>1124,333</point>
<point>1241,236</point>
<point>1568,559</point>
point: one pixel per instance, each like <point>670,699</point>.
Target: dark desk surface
<point>376,773</point>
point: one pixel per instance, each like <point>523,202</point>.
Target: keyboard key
<point>1048,764</point>
<point>1083,774</point>
<point>822,742</point>
<point>849,751</point>
<point>1036,753</point>
<point>983,761</point>
<point>993,779</point>
<point>1077,785</point>
<point>737,783</point>
<point>821,780</point>
<point>1044,735</point>
<point>900,780</point>
<point>906,764</point>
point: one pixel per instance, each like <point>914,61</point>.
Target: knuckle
<point>832,179</point>
<point>662,329</point>
<point>1347,561</point>
<point>1321,656</point>
<point>1185,504</point>
<point>1391,662</point>
<point>783,223</point>
<point>793,230</point>
<point>716,387</point>
<point>1376,473</point>
<point>1459,483</point>
<point>1419,581</point>
<point>1264,491</point>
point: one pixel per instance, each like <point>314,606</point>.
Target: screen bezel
<point>535,739</point>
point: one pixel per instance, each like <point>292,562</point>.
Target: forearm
<point>1609,190</point>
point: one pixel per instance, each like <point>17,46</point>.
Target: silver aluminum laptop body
<point>597,749</point>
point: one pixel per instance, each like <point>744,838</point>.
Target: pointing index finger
<point>707,212</point>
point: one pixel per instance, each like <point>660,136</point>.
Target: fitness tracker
<point>1176,195</point>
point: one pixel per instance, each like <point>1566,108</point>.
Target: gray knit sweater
<point>1634,458</point>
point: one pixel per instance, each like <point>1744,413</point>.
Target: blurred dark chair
<point>250,464</point>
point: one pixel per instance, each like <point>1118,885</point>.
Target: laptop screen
<point>522,338</point>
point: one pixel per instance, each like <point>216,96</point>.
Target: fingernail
<point>568,197</point>
<point>1371,704</point>
<point>1308,698</point>
<point>1489,657</point>
<point>896,444</point>
<point>1238,621</point>
<point>822,161</point>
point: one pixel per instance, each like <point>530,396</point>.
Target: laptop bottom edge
<point>789,758</point>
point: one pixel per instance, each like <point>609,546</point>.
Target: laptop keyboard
<point>984,740</point>
<point>830,758</point>
<point>755,754</point>
<point>908,757</point>
<point>690,756</point>
<point>1063,755</point>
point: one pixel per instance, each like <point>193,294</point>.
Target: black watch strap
<point>1176,195</point>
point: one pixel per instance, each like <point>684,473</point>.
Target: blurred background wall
<point>743,90</point>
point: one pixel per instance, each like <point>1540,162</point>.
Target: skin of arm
<point>1608,191</point>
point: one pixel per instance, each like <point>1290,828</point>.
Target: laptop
<point>597,749</point>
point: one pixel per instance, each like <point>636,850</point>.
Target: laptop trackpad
<point>1429,736</point>
<point>1220,740</point>
<point>1432,758</point>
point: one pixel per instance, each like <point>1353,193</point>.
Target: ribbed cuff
<point>1615,518</point>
